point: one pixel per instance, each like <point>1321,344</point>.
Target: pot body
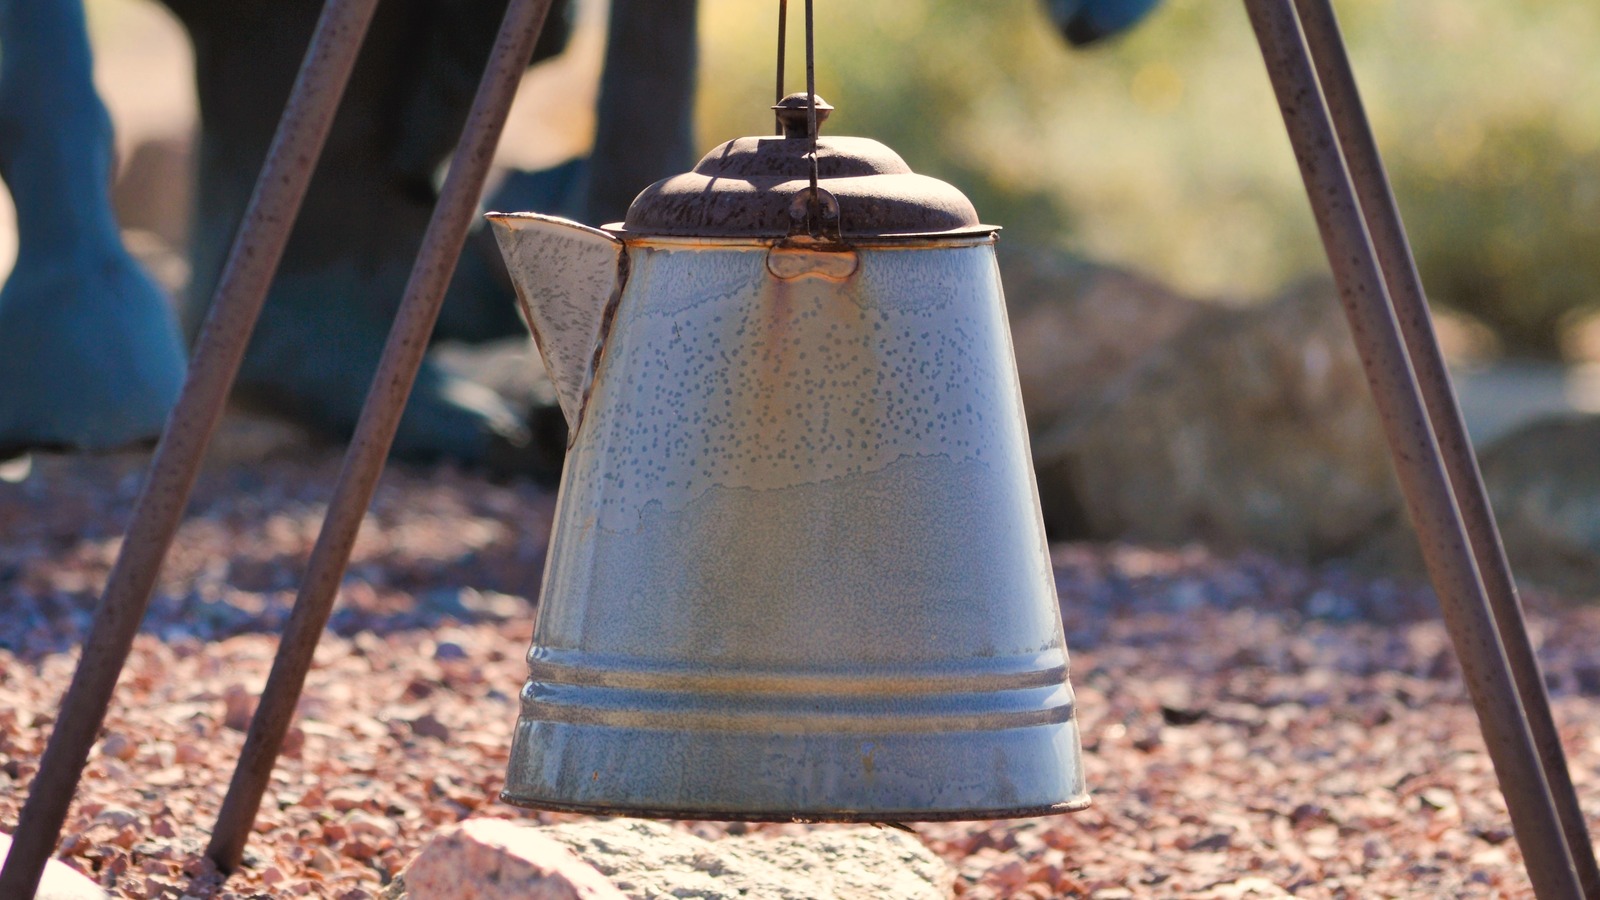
<point>798,569</point>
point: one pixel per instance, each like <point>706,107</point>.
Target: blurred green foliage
<point>1163,150</point>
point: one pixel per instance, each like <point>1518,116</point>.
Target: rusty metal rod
<point>380,417</point>
<point>783,41</point>
<point>1321,27</point>
<point>235,306</point>
<point>1424,481</point>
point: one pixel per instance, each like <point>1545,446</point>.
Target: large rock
<point>490,859</point>
<point>650,860</point>
<point>60,881</point>
<point>1077,326</point>
<point>496,858</point>
<point>1252,427</point>
<point>1544,485</point>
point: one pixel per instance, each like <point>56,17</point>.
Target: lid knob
<point>794,111</point>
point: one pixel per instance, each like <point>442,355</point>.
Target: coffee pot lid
<point>759,187</point>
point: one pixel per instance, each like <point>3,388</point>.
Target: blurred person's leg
<point>344,270</point>
<point>90,356</point>
<point>643,133</point>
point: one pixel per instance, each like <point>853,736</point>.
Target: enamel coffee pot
<point>798,569</point>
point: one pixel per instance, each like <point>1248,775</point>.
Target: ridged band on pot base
<point>818,749</point>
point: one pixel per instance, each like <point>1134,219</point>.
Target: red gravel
<point>1252,729</point>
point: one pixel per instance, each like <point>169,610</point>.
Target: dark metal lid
<point>752,187</point>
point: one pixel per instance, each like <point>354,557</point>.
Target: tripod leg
<point>1377,201</point>
<point>156,515</point>
<point>380,417</point>
<point>1423,477</point>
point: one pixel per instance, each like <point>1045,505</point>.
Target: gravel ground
<point>1252,729</point>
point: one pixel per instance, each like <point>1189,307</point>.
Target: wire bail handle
<point>816,210</point>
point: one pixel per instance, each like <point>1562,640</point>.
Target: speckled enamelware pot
<point>798,568</point>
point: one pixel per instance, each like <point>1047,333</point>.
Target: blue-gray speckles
<point>716,374</point>
<point>923,560</point>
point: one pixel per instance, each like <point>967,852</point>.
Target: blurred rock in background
<point>1544,484</point>
<point>1078,325</point>
<point>1251,427</point>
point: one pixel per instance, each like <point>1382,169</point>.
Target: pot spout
<point>566,275</point>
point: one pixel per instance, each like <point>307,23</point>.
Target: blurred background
<point>1164,151</point>
<point>1161,152</point>
<point>1155,229</point>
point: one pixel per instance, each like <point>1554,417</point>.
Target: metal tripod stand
<point>1367,249</point>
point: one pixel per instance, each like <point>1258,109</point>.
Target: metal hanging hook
<point>814,203</point>
<point>815,218</point>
